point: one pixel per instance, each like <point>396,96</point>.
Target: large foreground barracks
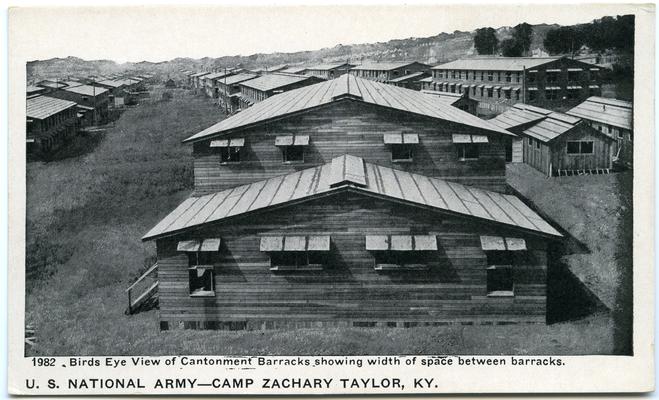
<point>351,203</point>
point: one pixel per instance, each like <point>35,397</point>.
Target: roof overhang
<point>361,191</point>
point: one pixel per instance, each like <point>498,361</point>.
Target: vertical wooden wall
<point>350,127</point>
<point>349,290</point>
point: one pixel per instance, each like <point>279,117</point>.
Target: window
<point>453,74</point>
<point>573,76</point>
<point>500,281</point>
<point>530,142</point>
<point>573,94</point>
<point>518,77</point>
<point>490,75</point>
<point>467,151</point>
<point>482,75</point>
<point>509,76</point>
<point>401,260</point>
<point>201,280</point>
<point>552,77</point>
<point>580,147</point>
<point>473,90</point>
<point>507,94</point>
<point>532,76</point>
<point>401,153</point>
<point>498,76</point>
<point>537,144</point>
<point>291,260</point>
<point>229,155</point>
<point>482,92</point>
<point>490,92</point>
<point>618,133</point>
<point>296,253</point>
<point>293,154</point>
<point>551,94</point>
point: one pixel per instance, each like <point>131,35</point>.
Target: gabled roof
<point>217,75</point>
<point>607,111</point>
<point>408,77</point>
<point>86,90</point>
<point>34,89</point>
<point>233,79</point>
<point>325,67</point>
<point>497,63</point>
<point>41,107</point>
<point>294,70</point>
<point>274,81</point>
<point>546,125</point>
<point>334,90</point>
<point>111,83</point>
<point>51,84</point>
<point>446,97</point>
<point>198,74</point>
<point>516,116</point>
<point>385,66</point>
<point>352,173</point>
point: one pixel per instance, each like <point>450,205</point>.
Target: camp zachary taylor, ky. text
<point>253,203</point>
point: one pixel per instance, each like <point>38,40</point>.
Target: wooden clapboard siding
<point>601,157</point>
<point>518,150</point>
<point>538,158</point>
<point>350,127</point>
<point>349,289</point>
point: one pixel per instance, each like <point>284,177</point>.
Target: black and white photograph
<point>337,182</point>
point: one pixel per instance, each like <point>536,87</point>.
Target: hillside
<point>436,49</point>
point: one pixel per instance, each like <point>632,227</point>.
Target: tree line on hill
<point>605,33</point>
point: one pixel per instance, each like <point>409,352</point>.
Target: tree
<point>486,41</point>
<point>562,40</point>
<point>511,48</point>
<point>522,35</point>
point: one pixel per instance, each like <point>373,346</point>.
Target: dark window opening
<point>293,154</point>
<point>468,151</point>
<point>229,154</point>
<point>401,153</point>
<point>410,260</point>
<point>201,281</point>
<point>292,260</point>
<point>580,147</point>
<point>500,280</point>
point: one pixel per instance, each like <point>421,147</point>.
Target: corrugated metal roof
<point>548,124</point>
<point>86,90</point>
<point>233,79</point>
<point>497,63</point>
<point>52,84</point>
<point>199,74</point>
<point>516,116</point>
<point>274,81</point>
<point>608,111</point>
<point>407,77</point>
<point>447,97</point>
<point>294,70</point>
<point>111,83</point>
<point>217,75</point>
<point>384,66</point>
<point>325,67</point>
<point>352,172</point>
<point>34,89</point>
<point>41,107</point>
<point>359,89</point>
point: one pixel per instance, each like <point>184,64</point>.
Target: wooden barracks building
<point>544,82</point>
<point>350,203</point>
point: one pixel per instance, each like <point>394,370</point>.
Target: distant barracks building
<point>350,203</point>
<point>544,82</point>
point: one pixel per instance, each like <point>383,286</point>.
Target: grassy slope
<point>590,208</point>
<point>86,216</point>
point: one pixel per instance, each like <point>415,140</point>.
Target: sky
<point>162,33</point>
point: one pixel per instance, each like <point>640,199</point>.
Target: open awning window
<point>499,243</point>
<point>401,242</point>
<point>574,87</point>
<point>295,243</point>
<point>238,142</point>
<point>212,244</point>
<point>188,245</point>
<point>465,138</point>
<point>292,140</point>
<point>574,69</point>
<point>401,138</point>
<point>553,70</point>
